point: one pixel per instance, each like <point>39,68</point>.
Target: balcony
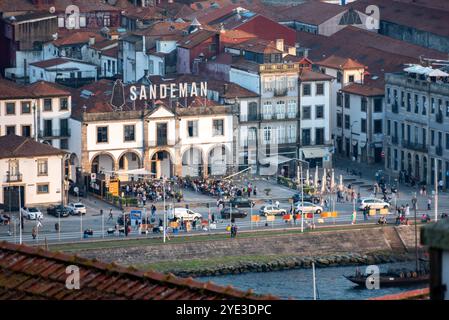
<point>439,150</point>
<point>415,146</point>
<point>280,92</point>
<point>16,177</point>
<point>57,133</point>
<point>439,117</point>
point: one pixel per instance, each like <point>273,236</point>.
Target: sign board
<point>76,190</point>
<point>270,218</point>
<point>135,215</point>
<point>114,187</point>
<point>93,176</point>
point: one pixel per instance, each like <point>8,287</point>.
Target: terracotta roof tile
<point>312,12</point>
<point>55,62</point>
<point>13,146</point>
<point>309,75</point>
<point>363,90</point>
<point>47,89</point>
<point>20,283</point>
<point>340,63</point>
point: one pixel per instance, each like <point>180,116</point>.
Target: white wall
<point>28,169</point>
<point>17,120</point>
<point>250,81</point>
<point>36,73</point>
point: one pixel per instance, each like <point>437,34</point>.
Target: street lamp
<point>414,200</point>
<point>165,209</point>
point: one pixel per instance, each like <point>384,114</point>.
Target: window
<point>129,132</point>
<point>25,107</point>
<point>319,112</point>
<point>306,112</point>
<point>10,130</point>
<point>402,99</point>
<point>42,188</point>
<point>447,142</point>
<point>64,104</point>
<point>432,105</point>
<point>268,85</point>
<point>363,104</point>
<point>409,102</point>
<point>218,127</point>
<point>347,121</point>
<point>102,134</point>
<point>306,89</point>
<point>161,68</point>
<point>320,89</point>
<point>378,126</point>
<point>26,131</point>
<point>42,167</point>
<point>338,99</point>
<point>82,22</point>
<point>447,108</point>
<point>64,144</point>
<point>280,110</point>
<point>416,104</point>
<point>388,127</point>
<point>339,76</point>
<point>47,105</point>
<point>339,120</point>
<point>378,105</point>
<point>388,95</point>
<point>10,108</point>
<point>363,125</point>
<point>106,20</point>
<point>351,78</point>
<point>347,99</point>
<point>305,137</point>
<point>266,110</point>
<point>424,106</point>
<point>192,128</point>
<point>267,134</point>
<point>291,109</point>
<point>151,67</point>
<point>319,136</point>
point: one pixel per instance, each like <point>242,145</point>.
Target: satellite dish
<point>112,2</point>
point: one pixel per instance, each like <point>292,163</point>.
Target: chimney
<point>305,52</point>
<point>280,44</point>
<point>91,40</point>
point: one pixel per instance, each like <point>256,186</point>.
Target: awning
<point>275,160</point>
<point>311,153</point>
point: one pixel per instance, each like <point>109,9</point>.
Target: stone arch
<point>74,172</point>
<point>100,162</point>
<point>129,160</point>
<point>161,163</point>
<point>219,159</point>
<point>192,162</point>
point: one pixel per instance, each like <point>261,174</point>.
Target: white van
<point>185,214</point>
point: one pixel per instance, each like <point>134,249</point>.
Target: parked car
<point>270,210</point>
<point>372,203</point>
<point>31,213</point>
<point>240,202</point>
<point>307,207</point>
<point>236,213</point>
<point>59,211</point>
<point>185,214</point>
<point>77,208</point>
<point>307,197</point>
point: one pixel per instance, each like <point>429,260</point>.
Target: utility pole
<point>302,200</point>
<point>436,190</point>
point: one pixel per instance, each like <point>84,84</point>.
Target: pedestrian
<point>153,209</point>
<point>277,204</point>
<point>365,213</point>
<point>249,192</point>
<point>429,203</point>
<point>255,191</point>
<point>34,232</point>
<point>144,199</point>
<point>354,217</point>
<point>440,185</point>
<point>407,210</point>
<point>194,224</point>
<point>213,217</point>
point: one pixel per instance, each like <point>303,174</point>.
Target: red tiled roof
<point>112,52</point>
<point>256,45</point>
<point>340,63</point>
<point>33,273</point>
<point>12,90</point>
<point>411,15</point>
<point>418,294</point>
<point>434,4</point>
<point>13,146</point>
<point>55,62</point>
<point>363,90</point>
<point>47,89</point>
<point>309,75</point>
<point>196,38</point>
<point>68,38</point>
<point>312,12</point>
<point>83,5</point>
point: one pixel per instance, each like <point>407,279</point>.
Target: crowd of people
<point>153,190</point>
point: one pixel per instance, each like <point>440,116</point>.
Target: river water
<point>297,283</point>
